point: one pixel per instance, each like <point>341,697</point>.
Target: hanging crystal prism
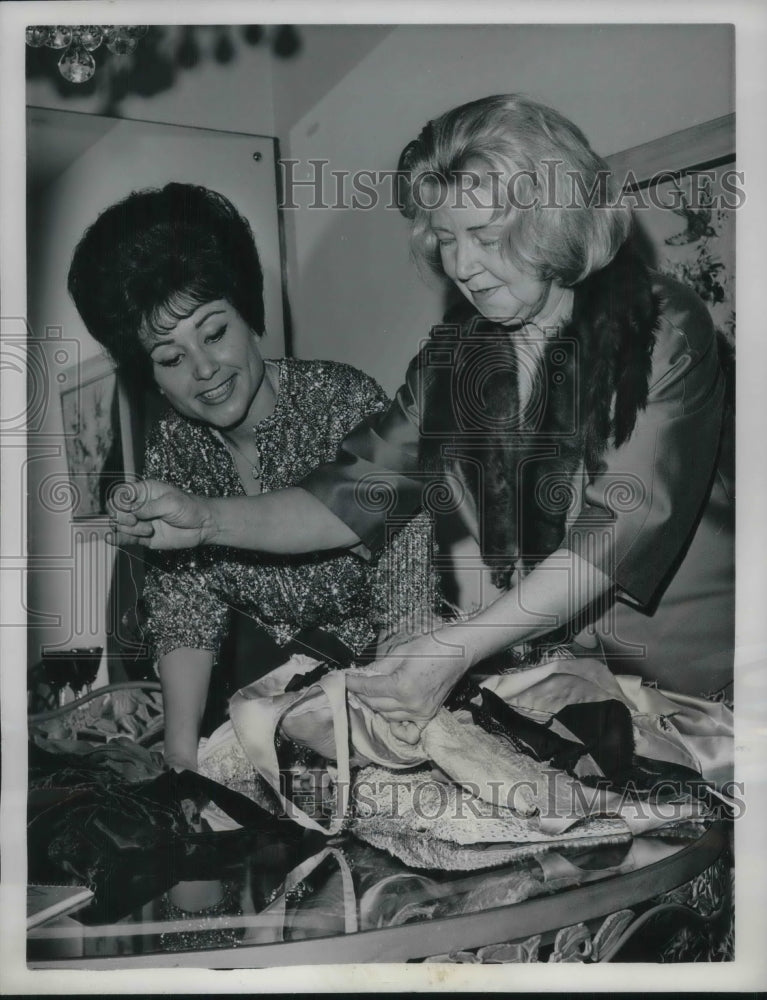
<point>120,41</point>
<point>77,65</point>
<point>90,36</point>
<point>60,36</point>
<point>37,35</point>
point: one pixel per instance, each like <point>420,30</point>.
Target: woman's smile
<point>219,394</point>
<point>479,293</point>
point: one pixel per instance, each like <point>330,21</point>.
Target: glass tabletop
<point>253,899</point>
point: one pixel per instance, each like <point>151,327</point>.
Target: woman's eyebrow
<point>214,312</point>
<point>470,229</point>
<point>161,343</point>
<point>484,225</point>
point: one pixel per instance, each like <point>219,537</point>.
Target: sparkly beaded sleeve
<point>182,612</point>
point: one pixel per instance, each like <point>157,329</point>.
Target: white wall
<point>354,292</point>
<point>328,52</point>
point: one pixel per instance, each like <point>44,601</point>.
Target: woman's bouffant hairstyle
<point>538,158</point>
<point>155,257</point>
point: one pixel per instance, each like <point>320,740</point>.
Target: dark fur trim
<point>519,464</point>
<point>615,313</point>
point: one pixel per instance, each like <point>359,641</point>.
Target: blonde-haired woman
<point>574,404</point>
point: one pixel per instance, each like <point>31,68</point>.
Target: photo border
<point>748,971</point>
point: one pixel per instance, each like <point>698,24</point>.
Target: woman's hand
<point>158,516</point>
<point>413,680</point>
<point>411,684</point>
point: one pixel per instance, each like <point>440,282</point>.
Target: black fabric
<point>247,653</point>
<point>300,681</point>
<point>603,729</point>
<point>173,787</point>
<point>533,738</point>
<point>664,778</point>
<point>140,837</point>
<point>79,763</point>
<point>606,730</point>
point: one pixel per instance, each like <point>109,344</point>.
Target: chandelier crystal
<point>78,41</point>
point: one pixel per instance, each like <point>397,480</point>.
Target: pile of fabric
<point>563,753</point>
<point>559,754</point>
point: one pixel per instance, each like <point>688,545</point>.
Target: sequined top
<point>188,594</point>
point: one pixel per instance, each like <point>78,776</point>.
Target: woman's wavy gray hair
<point>533,156</point>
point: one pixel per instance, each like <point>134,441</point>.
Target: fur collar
<point>590,381</point>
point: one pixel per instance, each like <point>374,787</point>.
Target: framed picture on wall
<point>97,434</point>
<point>686,190</point>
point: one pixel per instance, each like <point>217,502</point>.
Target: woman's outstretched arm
<point>374,481</point>
<point>159,516</point>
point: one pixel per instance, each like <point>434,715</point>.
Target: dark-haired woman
<point>169,282</point>
<point>576,403</point>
